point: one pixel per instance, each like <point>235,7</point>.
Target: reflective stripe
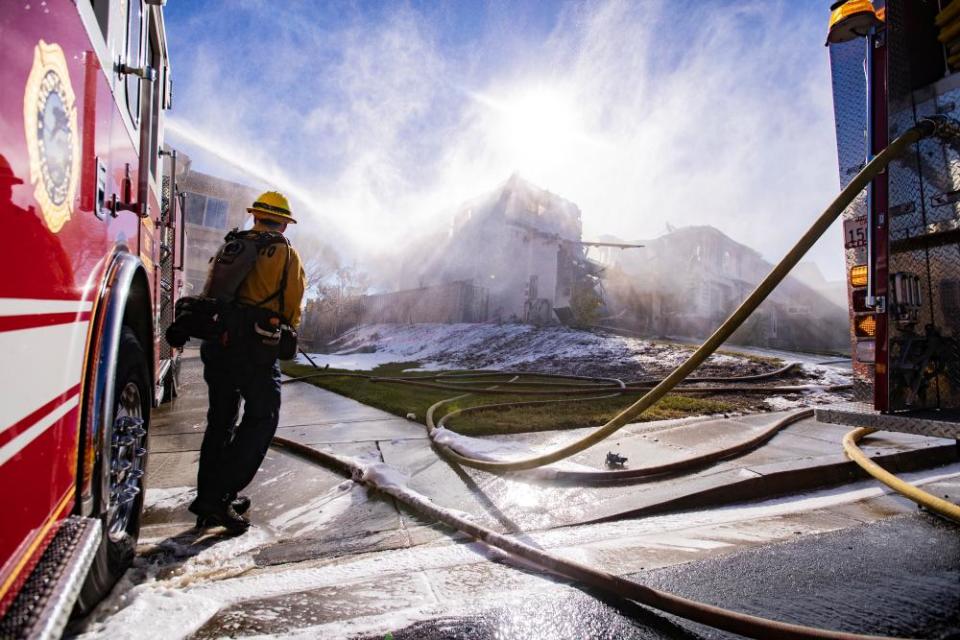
<point>37,365</point>
<point>269,208</point>
<point>16,445</point>
<point>31,306</point>
<point>12,431</point>
<point>15,323</point>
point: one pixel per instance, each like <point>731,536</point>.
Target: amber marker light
<point>865,326</point>
<point>858,275</point>
<point>851,19</point>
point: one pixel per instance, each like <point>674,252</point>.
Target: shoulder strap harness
<point>277,238</point>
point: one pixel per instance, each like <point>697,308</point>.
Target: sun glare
<point>537,129</point>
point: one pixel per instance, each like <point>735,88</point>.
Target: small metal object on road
<point>615,460</point>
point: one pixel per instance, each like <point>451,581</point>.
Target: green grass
<point>403,399</point>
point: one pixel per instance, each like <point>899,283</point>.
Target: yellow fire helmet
<point>272,205</point>
<point>851,19</point>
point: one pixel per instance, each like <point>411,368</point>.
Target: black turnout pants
<point>231,453</point>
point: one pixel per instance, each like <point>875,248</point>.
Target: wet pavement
<point>809,560</point>
<point>899,577</point>
<point>329,558</point>
<point>803,456</point>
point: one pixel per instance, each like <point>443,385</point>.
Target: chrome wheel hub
<point>126,460</point>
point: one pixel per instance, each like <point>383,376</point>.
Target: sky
<point>380,118</point>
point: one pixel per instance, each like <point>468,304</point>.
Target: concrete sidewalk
<point>316,514</point>
<point>286,486</point>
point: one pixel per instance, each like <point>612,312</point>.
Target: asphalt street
<point>898,577</point>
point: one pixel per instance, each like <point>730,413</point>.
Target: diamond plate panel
<point>43,603</point>
<point>924,423</point>
<point>924,210</point>
<point>849,106</point>
<point>166,268</point>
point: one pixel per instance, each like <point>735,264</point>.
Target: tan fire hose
<point>736,622</point>
<point>718,617</point>
<point>927,500</point>
<point>566,392</point>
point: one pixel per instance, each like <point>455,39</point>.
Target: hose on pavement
<point>926,500</point>
<point>733,621</point>
<point>572,389</point>
<point>717,617</point>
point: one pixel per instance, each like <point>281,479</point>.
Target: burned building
<point>450,302</point>
<point>519,245</point>
<point>687,281</point>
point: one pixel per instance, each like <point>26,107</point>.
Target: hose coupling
<point>942,127</point>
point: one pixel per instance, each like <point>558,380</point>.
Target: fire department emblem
<point>50,122</point>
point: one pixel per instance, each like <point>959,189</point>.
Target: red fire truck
<point>92,262</point>
<point>894,62</point>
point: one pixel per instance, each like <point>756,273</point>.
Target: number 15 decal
<point>855,233</point>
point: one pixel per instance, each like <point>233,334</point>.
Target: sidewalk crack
<point>396,506</point>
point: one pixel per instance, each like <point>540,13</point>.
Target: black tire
<point>118,546</point>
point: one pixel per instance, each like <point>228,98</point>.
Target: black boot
<point>220,515</point>
<point>240,504</point>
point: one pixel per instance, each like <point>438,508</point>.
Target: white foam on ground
<point>143,595</point>
<point>480,448</point>
<point>380,625</point>
<point>491,346</point>
<point>827,375</point>
<point>359,568</point>
<point>168,498</point>
<point>779,403</point>
<point>199,597</point>
<point>271,480</point>
<point>548,349</point>
<point>228,557</point>
<point>351,362</point>
<point>320,511</point>
<point>158,613</point>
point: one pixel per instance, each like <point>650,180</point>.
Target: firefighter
<point>243,363</point>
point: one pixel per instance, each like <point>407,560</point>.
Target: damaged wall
<point>450,302</point>
<point>686,282</point>
<point>509,243</point>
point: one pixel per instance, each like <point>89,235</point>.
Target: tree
<point>337,302</point>
<point>585,303</point>
<point>319,259</point>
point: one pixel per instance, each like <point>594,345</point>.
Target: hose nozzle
<point>942,127</point>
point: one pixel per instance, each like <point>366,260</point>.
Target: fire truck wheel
<point>120,510</point>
